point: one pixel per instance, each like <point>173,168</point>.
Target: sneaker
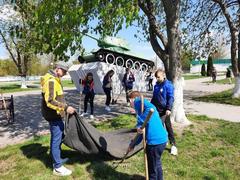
<point>174,150</point>
<point>83,114</point>
<point>107,108</point>
<point>128,104</point>
<point>62,171</point>
<point>91,116</point>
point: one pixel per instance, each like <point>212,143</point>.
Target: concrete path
<point>199,87</point>
<point>28,119</point>
<point>29,122</point>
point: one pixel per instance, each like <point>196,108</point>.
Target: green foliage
<point>8,68</point>
<point>208,149</point>
<point>36,67</point>
<point>203,70</point>
<point>16,34</point>
<point>186,57</point>
<point>58,25</point>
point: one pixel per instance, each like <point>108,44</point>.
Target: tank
<point>115,51</point>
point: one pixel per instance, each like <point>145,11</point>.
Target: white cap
<point>62,65</point>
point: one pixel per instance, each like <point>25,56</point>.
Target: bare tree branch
<point>7,47</point>
<point>148,10</point>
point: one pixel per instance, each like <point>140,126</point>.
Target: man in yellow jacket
<point>53,109</point>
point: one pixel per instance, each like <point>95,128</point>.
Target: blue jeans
<point>154,153</point>
<point>56,129</point>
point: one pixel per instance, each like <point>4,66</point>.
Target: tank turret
<point>115,51</point>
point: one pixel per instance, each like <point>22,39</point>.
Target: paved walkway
<point>29,122</point>
<point>198,87</point>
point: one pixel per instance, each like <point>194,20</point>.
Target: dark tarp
<point>86,139</point>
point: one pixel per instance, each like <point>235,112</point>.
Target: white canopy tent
<point>99,69</point>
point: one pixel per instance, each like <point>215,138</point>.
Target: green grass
<point>208,149</point>
<point>67,83</point>
<point>194,76</point>
<point>16,87</point>
<point>224,97</point>
<point>222,81</point>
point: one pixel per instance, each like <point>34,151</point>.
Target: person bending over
<point>156,135</point>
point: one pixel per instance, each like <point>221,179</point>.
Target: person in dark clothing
<point>150,80</point>
<point>107,87</point>
<point>214,75</point>
<point>156,135</point>
<point>127,82</point>
<point>88,91</point>
<point>163,98</point>
<point>229,75</point>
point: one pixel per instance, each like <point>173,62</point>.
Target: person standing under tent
<point>163,98</point>
<point>88,91</point>
<point>156,135</point>
<point>150,81</point>
<point>127,82</point>
<point>107,87</point>
<point>53,109</point>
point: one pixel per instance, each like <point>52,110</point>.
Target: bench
<point>7,105</point>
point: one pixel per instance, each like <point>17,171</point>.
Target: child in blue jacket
<point>156,135</point>
<point>163,98</point>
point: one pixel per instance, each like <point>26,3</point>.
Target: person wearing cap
<point>53,109</point>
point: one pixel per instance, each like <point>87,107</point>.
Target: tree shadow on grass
<point>37,151</point>
<point>97,168</point>
<point>102,170</point>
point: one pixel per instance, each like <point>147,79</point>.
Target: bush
<point>203,70</point>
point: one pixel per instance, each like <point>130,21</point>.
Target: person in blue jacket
<point>163,98</point>
<point>127,82</point>
<point>156,135</point>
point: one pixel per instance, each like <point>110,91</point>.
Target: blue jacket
<point>163,96</point>
<point>155,132</point>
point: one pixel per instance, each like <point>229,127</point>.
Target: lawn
<point>222,81</point>
<point>224,97</point>
<point>193,76</point>
<point>208,149</point>
<point>16,87</point>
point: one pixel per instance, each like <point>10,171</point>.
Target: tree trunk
<point>172,10</point>
<point>236,90</point>
<point>234,59</point>
<point>23,82</point>
<point>178,113</point>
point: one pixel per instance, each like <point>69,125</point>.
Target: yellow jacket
<point>53,103</point>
